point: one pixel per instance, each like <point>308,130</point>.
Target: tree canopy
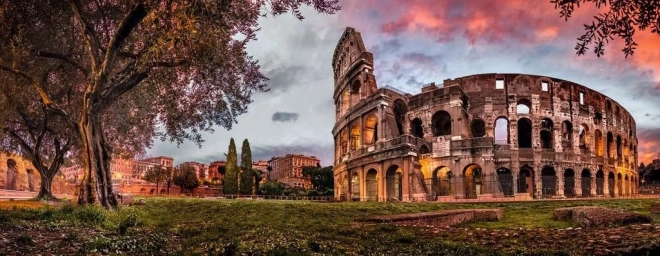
<point>246,180</point>
<point>230,181</point>
<point>621,19</point>
<point>179,64</point>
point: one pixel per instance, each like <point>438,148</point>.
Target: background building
<point>288,169</point>
<point>202,170</point>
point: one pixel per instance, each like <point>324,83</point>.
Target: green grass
<point>259,227</point>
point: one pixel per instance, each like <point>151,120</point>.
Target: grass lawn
<point>264,227</point>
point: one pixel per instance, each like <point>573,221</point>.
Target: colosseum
<point>478,137</point>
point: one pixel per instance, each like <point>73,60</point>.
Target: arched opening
<point>600,182</point>
<point>586,183</point>
<point>584,136</point>
<point>345,101</point>
<point>600,149</point>
<point>610,184</point>
<point>355,187</point>
<point>441,123</point>
<point>546,133</point>
<point>478,128</point>
<point>400,110</point>
<point>619,183</point>
<point>355,92</point>
<point>472,180</point>
<point>416,128</point>
<point>501,131</point>
<point>569,183</point>
<point>12,174</point>
<point>567,135</point>
<point>370,132</point>
<point>524,133</point>
<point>152,191</point>
<point>526,180</point>
<point>610,145</point>
<point>355,137</point>
<point>424,149</point>
<point>372,185</point>
<point>343,193</point>
<point>506,181</point>
<point>524,106</point>
<point>441,181</point>
<point>619,153</point>
<point>548,182</point>
<point>394,183</point>
<point>344,142</point>
<point>626,186</point>
<point>143,191</point>
<point>163,191</point>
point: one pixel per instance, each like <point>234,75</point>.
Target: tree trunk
<point>96,186</point>
<point>46,189</point>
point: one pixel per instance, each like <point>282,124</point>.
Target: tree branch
<point>64,58</point>
<point>92,40</point>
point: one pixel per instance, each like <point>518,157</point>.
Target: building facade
<point>201,170</point>
<point>288,169</point>
<point>217,172</point>
<point>475,137</point>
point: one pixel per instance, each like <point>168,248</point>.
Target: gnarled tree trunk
<point>46,189</point>
<point>96,186</point>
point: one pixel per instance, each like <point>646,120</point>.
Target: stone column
<point>593,184</point>
<point>560,183</point>
<point>577,186</point>
<point>405,179</point>
<point>363,183</point>
<point>381,110</point>
<point>380,183</point>
<point>514,184</point>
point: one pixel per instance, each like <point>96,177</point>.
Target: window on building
<point>544,86</point>
<point>499,83</point>
<point>581,98</point>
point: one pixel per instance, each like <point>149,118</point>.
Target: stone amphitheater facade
<point>17,173</point>
<point>477,137</point>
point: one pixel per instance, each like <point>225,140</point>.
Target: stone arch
<point>586,182</point>
<point>610,183</point>
<point>400,109</point>
<point>505,178</point>
<point>526,180</point>
<point>600,148</point>
<point>501,131</point>
<point>344,141</point>
<point>441,121</point>
<point>600,183</point>
<point>569,182</point>
<point>355,186</point>
<point>355,136</point>
<point>546,133</point>
<point>163,191</point>
<point>548,181</point>
<point>143,191</point>
<point>416,128</point>
<point>343,186</point>
<point>524,133</point>
<point>610,145</point>
<point>626,186</point>
<point>584,136</point>
<point>424,149</point>
<point>472,180</point>
<point>524,106</point>
<point>345,101</point>
<point>394,183</point>
<point>356,87</point>
<point>12,174</point>
<point>619,152</point>
<point>370,130</point>
<point>567,135</point>
<point>371,181</point>
<point>441,181</point>
<point>152,191</point>
<point>478,128</point>
<point>619,183</point>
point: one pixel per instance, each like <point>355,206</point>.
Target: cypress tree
<point>230,186</point>
<point>246,182</point>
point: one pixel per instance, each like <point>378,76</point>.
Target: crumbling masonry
<point>476,137</point>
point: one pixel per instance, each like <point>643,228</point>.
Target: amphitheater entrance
<point>600,181</point>
<point>394,183</point>
<point>472,181</point>
<point>610,184</point>
<point>343,194</point>
<point>371,183</point>
<point>548,182</point>
<point>569,183</point>
<point>12,174</point>
<point>619,183</point>
<point>526,181</point>
<point>441,182</point>
<point>506,181</point>
<point>586,183</point>
<point>626,189</point>
<point>355,187</point>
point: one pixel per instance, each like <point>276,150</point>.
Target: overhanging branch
<point>64,58</point>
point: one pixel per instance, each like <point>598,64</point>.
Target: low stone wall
<point>593,216</point>
<point>447,218</point>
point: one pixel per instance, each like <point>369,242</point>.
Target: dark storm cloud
<point>282,77</point>
<point>284,117</point>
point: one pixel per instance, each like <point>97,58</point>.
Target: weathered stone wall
<point>22,180</point>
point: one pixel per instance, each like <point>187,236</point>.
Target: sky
<point>415,43</point>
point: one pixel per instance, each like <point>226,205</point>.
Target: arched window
<point>524,106</point>
<point>344,142</point>
<point>584,136</point>
<point>619,152</point>
<point>611,150</point>
<point>416,128</point>
<point>501,131</point>
<point>370,132</point>
<point>355,137</point>
<point>478,128</point>
<point>355,92</point>
<point>441,123</point>
<point>546,133</point>
<point>524,133</point>
<point>567,134</point>
<point>600,148</point>
<point>400,110</point>
<point>424,149</point>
